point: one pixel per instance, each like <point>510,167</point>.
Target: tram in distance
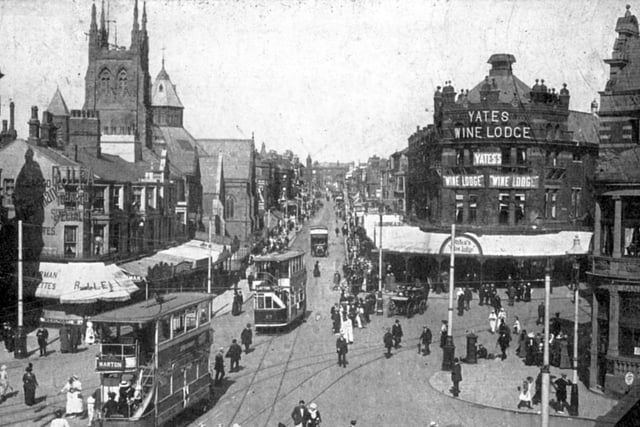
<point>319,240</point>
<point>280,289</point>
<point>154,360</point>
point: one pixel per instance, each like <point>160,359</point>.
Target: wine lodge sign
<point>490,124</point>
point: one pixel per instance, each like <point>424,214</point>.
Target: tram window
<point>204,313</point>
<point>191,318</point>
<point>284,270</point>
<point>268,301</point>
<point>164,386</point>
<point>260,300</point>
<point>164,329</point>
<point>177,324</point>
<point>203,367</point>
<point>177,379</point>
<point>191,372</point>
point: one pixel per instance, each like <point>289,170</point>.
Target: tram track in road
<point>284,372</point>
<point>253,379</point>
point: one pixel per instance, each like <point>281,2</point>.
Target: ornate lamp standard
<point>575,251</point>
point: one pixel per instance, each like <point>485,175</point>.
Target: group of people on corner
<point>234,354</point>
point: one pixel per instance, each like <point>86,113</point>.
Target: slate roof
<point>57,106</point>
<point>56,157</point>
<point>237,155</point>
<point>180,145</point>
<point>112,168</point>
<point>163,92</point>
<point>584,127</point>
<point>508,86</point>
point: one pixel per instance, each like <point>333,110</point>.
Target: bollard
<point>472,356</point>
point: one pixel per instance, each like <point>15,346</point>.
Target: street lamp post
<point>448,350</point>
<point>544,421</point>
<point>575,251</point>
<point>380,255</point>
<point>20,350</point>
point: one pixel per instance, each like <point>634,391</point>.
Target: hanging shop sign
<point>514,181</point>
<point>463,181</point>
<point>491,124</point>
<point>463,245</point>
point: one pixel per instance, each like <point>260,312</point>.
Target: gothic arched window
<point>229,207</point>
<point>122,82</point>
<point>105,81</point>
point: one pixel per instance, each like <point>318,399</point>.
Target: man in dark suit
<point>396,331</point>
<point>388,342</point>
<point>456,377</point>
<point>342,349</point>
<point>300,415</point>
<point>425,340</point>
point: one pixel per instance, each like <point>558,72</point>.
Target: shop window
<point>98,199</point>
<point>114,238</point>
<point>150,199</point>
<point>459,208</point>
<point>503,211</point>
<point>577,157</point>
<point>576,196</point>
<point>506,156</point>
<point>98,239</point>
<point>629,341</point>
<point>459,157</point>
<point>70,241</point>
<point>519,205</point>
<point>521,156</point>
<point>137,198</point>
<point>473,208</point>
<point>115,197</point>
<point>550,204</point>
<point>9,186</point>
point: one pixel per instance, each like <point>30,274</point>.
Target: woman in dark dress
<point>29,383</point>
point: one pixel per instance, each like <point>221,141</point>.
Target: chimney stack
<point>34,126</point>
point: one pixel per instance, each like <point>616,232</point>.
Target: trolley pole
<point>449,348</point>
<point>20,350</point>
<point>380,257</point>
<point>209,263</point>
<point>544,422</point>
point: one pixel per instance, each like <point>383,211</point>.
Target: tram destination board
<point>109,363</point>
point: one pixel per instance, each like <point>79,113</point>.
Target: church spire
<point>135,28</point>
<point>104,33</point>
<point>93,30</point>
<point>144,17</point>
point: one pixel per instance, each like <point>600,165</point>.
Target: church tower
<point>118,86</point>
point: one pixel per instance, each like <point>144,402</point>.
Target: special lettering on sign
<point>463,181</point>
<point>487,159</point>
<point>491,124</point>
<point>514,181</point>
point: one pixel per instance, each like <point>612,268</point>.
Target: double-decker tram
<point>154,359</point>
<point>280,289</point>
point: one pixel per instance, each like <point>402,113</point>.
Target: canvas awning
<point>412,240</point>
<point>84,282</point>
<point>195,253</point>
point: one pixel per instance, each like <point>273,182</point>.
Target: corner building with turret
<point>509,165</point>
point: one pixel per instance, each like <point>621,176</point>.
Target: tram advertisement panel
<point>176,350</point>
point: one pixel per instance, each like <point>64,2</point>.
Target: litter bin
<point>472,357</point>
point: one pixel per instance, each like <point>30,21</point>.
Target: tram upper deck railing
<point>117,357</point>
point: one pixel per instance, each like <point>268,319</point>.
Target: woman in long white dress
<point>90,334</point>
<point>347,328</point>
<point>492,321</point>
<point>4,383</point>
<point>73,387</point>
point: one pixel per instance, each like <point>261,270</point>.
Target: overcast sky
<point>340,80</point>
